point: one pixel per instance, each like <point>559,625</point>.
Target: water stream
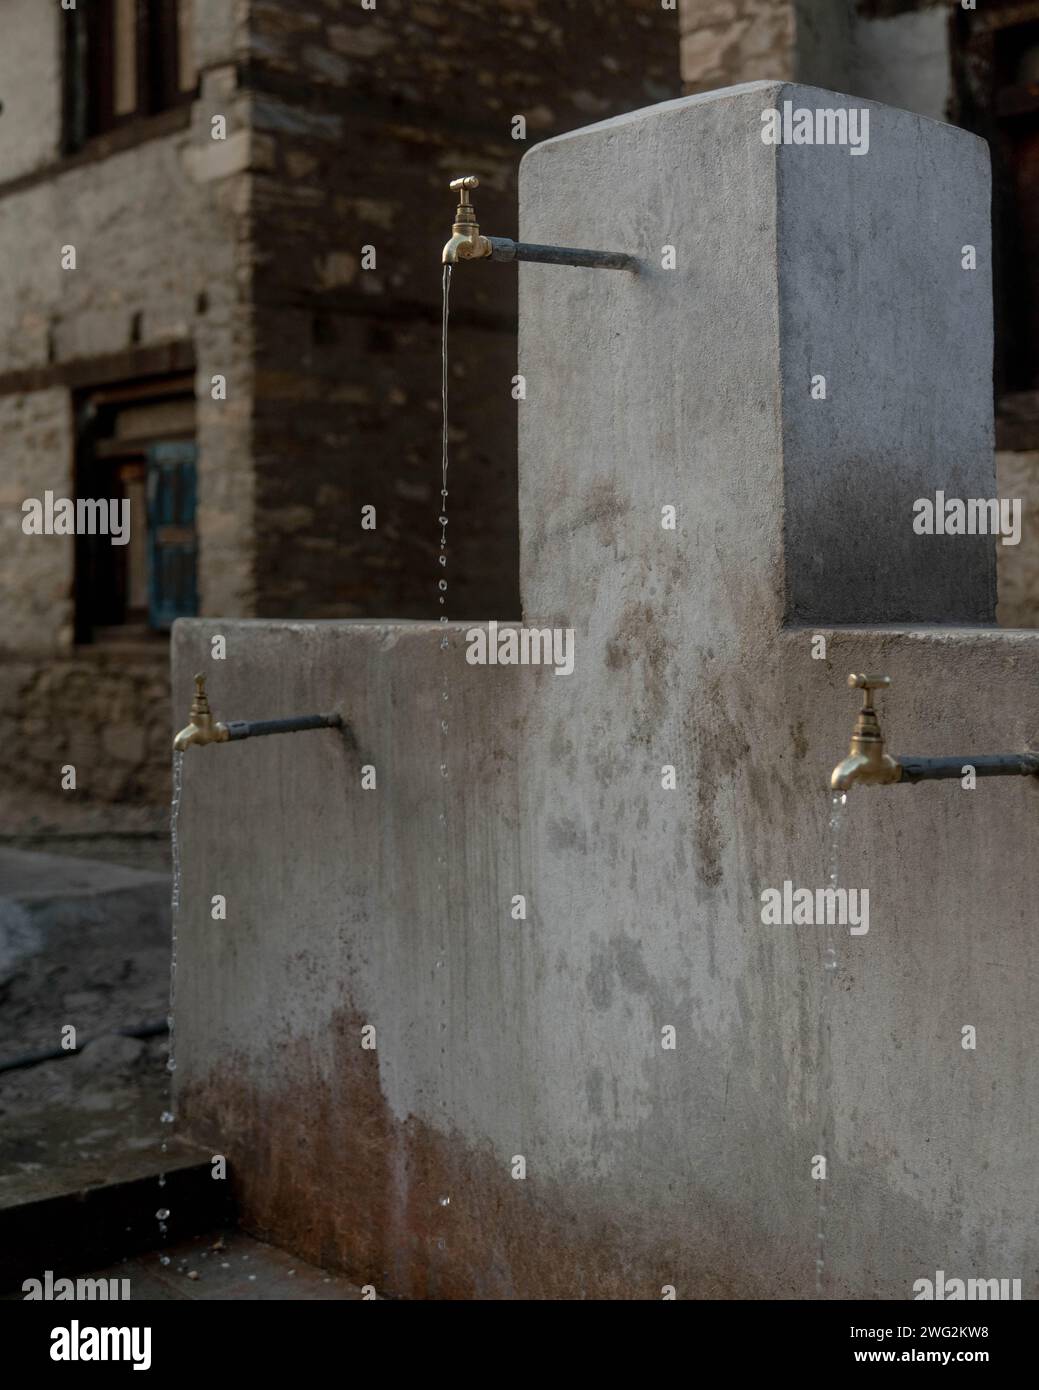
<point>167,1117</point>
<point>824,1091</point>
<point>443,722</point>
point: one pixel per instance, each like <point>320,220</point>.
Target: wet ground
<point>226,1266</point>
<point>84,941</point>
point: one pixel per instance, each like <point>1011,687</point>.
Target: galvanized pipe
<point>984,765</point>
<point>260,728</point>
<point>502,249</point>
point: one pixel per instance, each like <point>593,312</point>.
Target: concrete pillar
<point>541,1036</point>
<point>797,269</point>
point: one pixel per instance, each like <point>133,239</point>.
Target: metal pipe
<point>502,249</point>
<point>260,728</point>
<point>984,765</point>
<point>203,728</point>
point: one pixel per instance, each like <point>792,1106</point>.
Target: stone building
<point>220,226</point>
<point>220,301</point>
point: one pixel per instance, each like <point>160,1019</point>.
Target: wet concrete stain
<point>323,1168</point>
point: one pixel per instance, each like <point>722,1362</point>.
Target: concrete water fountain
<point>584,1067</point>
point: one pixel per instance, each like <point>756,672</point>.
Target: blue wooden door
<point>172,539</point>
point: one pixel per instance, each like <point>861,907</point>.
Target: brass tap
<point>466,243</point>
<point>203,728</point>
<point>866,761</point>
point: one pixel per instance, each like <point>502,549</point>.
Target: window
<point>136,444</point>
<point>125,59</point>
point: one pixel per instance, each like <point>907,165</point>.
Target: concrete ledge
<point>644,1167</point>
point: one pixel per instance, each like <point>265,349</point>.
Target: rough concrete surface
<point>541,1037</point>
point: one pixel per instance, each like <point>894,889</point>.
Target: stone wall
<point>105,711</point>
<point>1018,565</point>
<point>30,83</point>
<point>35,571</point>
<point>161,280</point>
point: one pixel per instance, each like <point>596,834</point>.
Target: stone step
<point>90,1226</point>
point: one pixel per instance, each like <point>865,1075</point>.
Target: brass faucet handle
<point>867,684</point>
<point>465,212</point>
<point>200,704</point>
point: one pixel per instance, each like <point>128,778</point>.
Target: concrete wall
<point>645,1167</point>
<point>541,1037</point>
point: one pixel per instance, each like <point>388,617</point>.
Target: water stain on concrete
<point>359,1191</point>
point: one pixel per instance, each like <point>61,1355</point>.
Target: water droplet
<point>166,1117</point>
<point>443,520</point>
<point>162,1214</point>
<point>445,1201</point>
<point>164,1259</point>
<point>443,769</point>
<point>442,586</point>
<point>443,559</point>
<point>171,1065</point>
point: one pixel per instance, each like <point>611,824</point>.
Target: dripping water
<point>442,558</point>
<point>824,1100</point>
<point>442,713</point>
<point>167,1117</point>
